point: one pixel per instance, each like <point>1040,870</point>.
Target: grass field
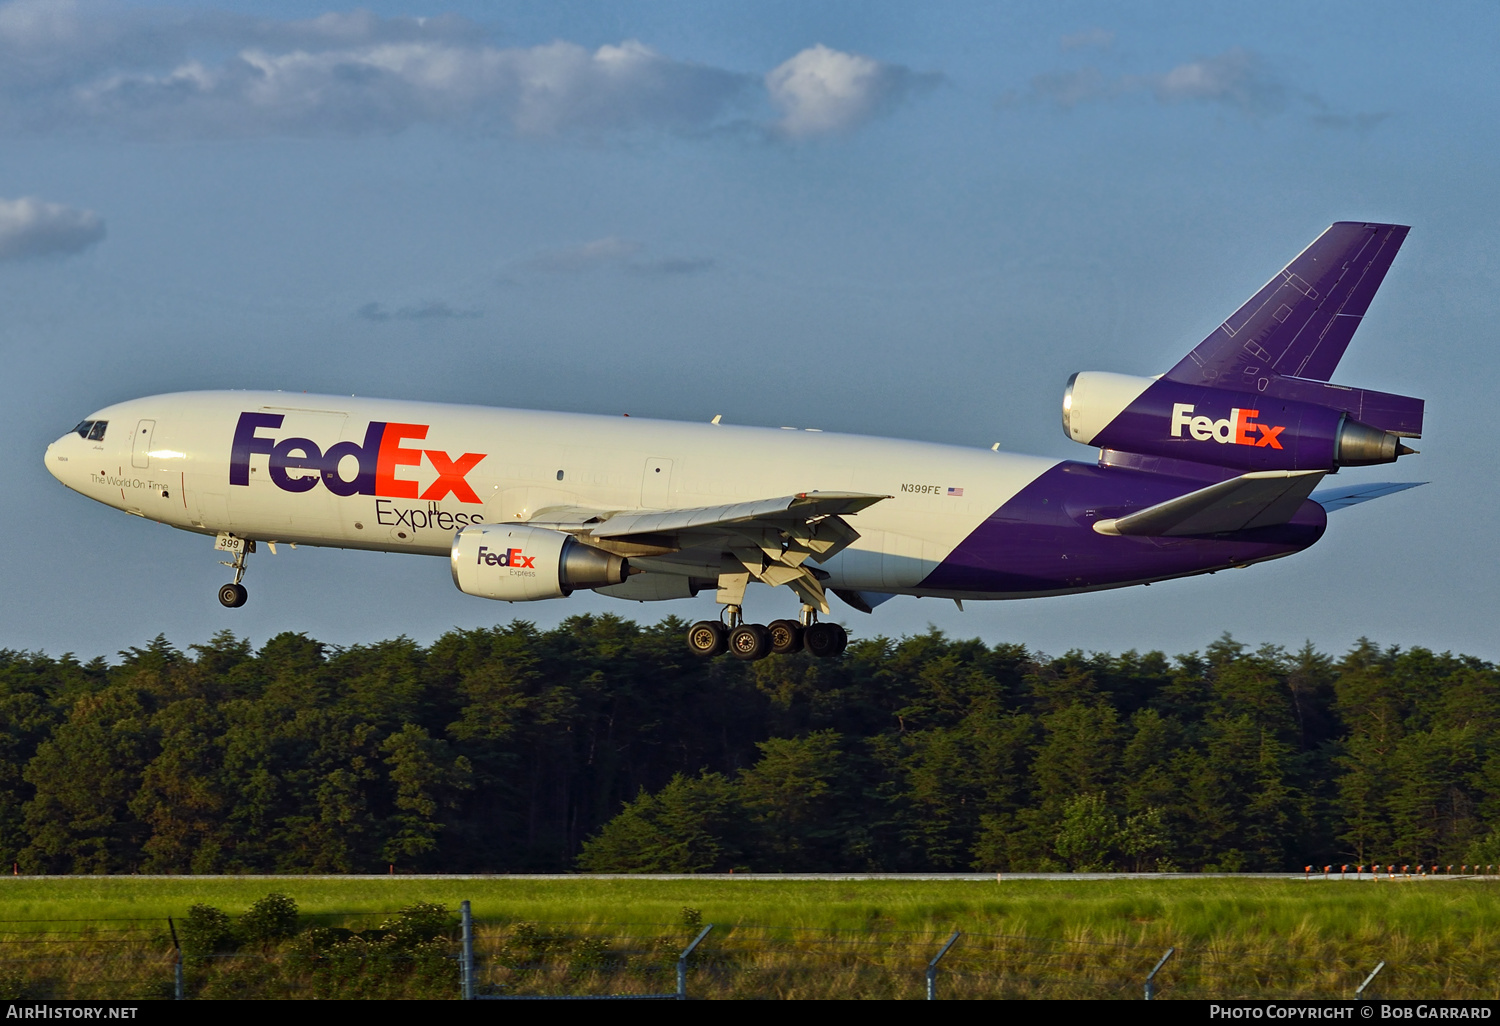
<point>1434,914</point>
<point>1234,936</point>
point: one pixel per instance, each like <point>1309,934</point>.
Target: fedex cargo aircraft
<point>1209,466</point>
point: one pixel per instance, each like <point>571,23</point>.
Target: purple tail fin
<point>1255,396</point>
<point>1301,322</point>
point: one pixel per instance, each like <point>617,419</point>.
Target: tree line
<point>602,745</point>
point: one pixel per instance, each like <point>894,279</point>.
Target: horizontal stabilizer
<point>1299,324</point>
<point>1260,499</point>
<point>1338,498</point>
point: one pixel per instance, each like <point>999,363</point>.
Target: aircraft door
<point>656,484</point>
<point>140,447</point>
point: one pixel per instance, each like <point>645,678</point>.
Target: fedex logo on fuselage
<point>378,460</point>
<point>510,557</point>
<point>1239,428</point>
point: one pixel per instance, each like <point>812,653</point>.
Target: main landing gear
<point>751,641</point>
<point>233,595</point>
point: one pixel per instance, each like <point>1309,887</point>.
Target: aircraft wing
<point>768,539</point>
<point>1339,498</point>
<point>1259,499</point>
<point>805,509</point>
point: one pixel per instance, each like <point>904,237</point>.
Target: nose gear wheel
<point>233,595</point>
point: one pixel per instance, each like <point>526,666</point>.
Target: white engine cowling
<point>523,564</point>
<point>1095,398</point>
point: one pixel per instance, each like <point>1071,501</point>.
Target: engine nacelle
<point>1224,428</point>
<point>523,564</point>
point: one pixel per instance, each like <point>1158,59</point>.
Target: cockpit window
<point>96,433</point>
<point>83,428</point>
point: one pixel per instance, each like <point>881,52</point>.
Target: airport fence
<point>369,956</point>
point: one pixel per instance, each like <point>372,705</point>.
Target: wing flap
<point>1259,499</point>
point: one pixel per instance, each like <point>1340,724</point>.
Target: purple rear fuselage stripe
<point>1043,540</point>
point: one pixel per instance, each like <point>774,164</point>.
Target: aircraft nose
<point>56,459</point>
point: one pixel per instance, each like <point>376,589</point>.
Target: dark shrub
<point>206,930</point>
<point>272,918</point>
<point>417,924</point>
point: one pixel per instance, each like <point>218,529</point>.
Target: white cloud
<point>160,73</point>
<point>614,252</point>
<point>430,310</point>
<point>53,42</point>
<point>30,227</point>
<point>665,266</point>
<point>1069,88</point>
<point>390,86</point>
<point>822,91</point>
<point>1096,38</point>
<point>1359,122</point>
<point>585,256</point>
<point>1235,78</point>
<point>69,65</point>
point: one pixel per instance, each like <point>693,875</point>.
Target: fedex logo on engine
<point>1239,428</point>
<point>298,464</point>
<point>510,557</point>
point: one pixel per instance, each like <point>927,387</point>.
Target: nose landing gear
<point>232,596</point>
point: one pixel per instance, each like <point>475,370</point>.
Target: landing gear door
<point>140,447</point>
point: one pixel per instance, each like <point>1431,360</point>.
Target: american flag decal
<point>955,491</point>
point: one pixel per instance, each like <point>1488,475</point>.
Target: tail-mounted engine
<point>1242,430</point>
<point>522,564</point>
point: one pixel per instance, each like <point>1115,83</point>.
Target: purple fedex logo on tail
<point>378,460</point>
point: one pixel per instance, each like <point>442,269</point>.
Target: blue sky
<point>865,217</point>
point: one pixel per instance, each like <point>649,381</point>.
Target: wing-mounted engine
<point>1240,430</point>
<point>524,563</point>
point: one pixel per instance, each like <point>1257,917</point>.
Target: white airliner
<point>1207,467</point>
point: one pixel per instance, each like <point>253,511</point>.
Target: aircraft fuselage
<point>399,476</point>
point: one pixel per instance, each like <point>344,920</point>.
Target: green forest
<point>603,746</point>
